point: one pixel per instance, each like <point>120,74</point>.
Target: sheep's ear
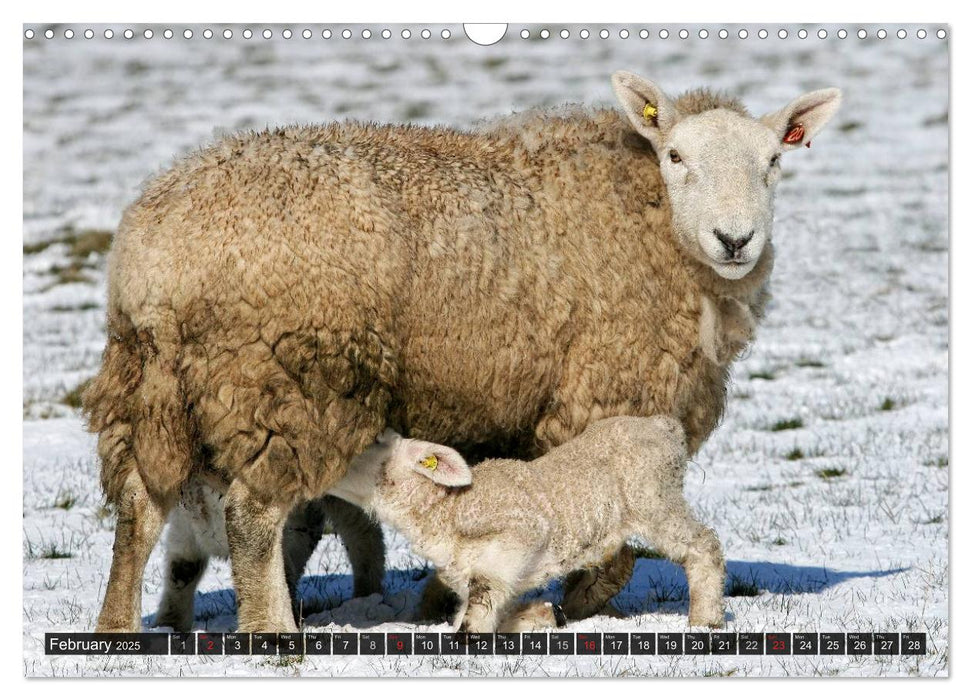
<point>441,464</point>
<point>799,121</point>
<point>650,111</point>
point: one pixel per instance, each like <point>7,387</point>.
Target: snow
<point>840,521</point>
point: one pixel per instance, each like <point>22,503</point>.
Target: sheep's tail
<point>136,405</point>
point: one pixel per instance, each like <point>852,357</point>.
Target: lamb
<point>278,299</point>
<point>522,524</point>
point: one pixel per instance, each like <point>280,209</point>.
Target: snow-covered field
<point>828,480</point>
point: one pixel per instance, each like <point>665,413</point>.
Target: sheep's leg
<point>140,521</point>
<point>588,592</point>
<point>185,564</point>
<point>254,529</point>
<point>302,532</point>
<point>364,541</point>
<point>679,536</point>
<point>362,537</point>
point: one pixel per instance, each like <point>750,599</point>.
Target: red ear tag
<point>794,135</point>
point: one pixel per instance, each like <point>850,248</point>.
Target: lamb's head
<point>394,463</point>
<point>721,166</point>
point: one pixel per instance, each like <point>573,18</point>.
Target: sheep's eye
<point>675,156</point>
<point>774,161</point>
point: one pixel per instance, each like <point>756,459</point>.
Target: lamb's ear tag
<point>650,112</point>
<point>795,134</point>
<point>430,463</point>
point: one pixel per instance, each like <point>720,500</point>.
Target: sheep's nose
<point>731,244</point>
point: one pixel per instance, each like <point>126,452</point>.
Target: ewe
<point>278,299</point>
<point>521,524</point>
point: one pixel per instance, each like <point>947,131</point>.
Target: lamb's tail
<point>136,405</point>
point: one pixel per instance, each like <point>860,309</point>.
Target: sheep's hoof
<point>714,620</point>
<point>439,603</point>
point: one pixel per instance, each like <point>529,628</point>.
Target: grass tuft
<point>830,473</point>
<point>73,397</point>
<point>641,552</point>
<point>66,501</point>
<point>888,404</point>
<point>767,376</point>
<point>790,424</point>
<point>809,363</point>
<point>740,588</point>
<point>794,454</point>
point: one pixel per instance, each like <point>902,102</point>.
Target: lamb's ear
<point>799,121</point>
<point>441,464</point>
<point>649,110</point>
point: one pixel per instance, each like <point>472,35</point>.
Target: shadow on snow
<point>657,586</point>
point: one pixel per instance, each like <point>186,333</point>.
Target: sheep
<point>277,299</point>
<point>197,531</point>
<point>521,524</point>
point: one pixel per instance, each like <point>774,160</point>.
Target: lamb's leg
<point>176,609</point>
<point>679,536</point>
<point>185,565</point>
<point>140,522</point>
<point>533,617</point>
<point>255,533</point>
<point>488,599</point>
<point>439,602</point>
<point>588,591</point>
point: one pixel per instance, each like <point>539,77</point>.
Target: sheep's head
<point>393,461</point>
<point>721,167</point>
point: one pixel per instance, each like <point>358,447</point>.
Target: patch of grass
<point>830,473</point>
<point>87,306</point>
<point>794,454</point>
<point>810,363</point>
<point>65,501</point>
<point>794,484</point>
<point>738,587</point>
<point>767,376</point>
<point>495,62</point>
<point>641,552</point>
<point>73,397</point>
<point>888,404</point>
<point>847,127</point>
<point>84,243</point>
<point>790,424</point>
<point>936,520</point>
<point>80,243</point>
<point>939,120</point>
<point>49,550</point>
<point>285,661</point>
<point>70,274</point>
<point>940,462</point>
<point>765,487</point>
<point>417,110</point>
<point>779,542</point>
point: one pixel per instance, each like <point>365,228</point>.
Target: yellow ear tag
<point>430,462</point>
<point>650,111</point>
